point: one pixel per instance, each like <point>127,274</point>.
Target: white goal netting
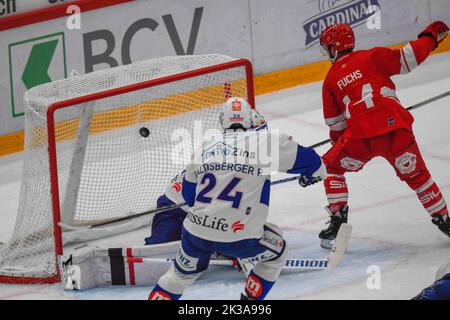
<point>105,168</point>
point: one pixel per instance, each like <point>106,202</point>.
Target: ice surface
<point>390,228</point>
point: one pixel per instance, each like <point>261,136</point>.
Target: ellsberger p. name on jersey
<point>228,183</point>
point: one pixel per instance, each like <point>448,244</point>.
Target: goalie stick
<point>330,262</point>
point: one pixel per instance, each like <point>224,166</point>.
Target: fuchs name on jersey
<point>345,81</point>
<point>236,167</point>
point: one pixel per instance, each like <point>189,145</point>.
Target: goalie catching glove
<point>308,180</point>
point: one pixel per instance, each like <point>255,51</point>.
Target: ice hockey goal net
<point>86,162</point>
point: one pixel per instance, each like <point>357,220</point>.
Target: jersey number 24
<point>210,180</point>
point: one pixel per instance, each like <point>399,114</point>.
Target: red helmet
<point>339,36</point>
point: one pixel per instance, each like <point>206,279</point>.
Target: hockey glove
<point>437,30</point>
<point>306,181</point>
<point>309,180</point>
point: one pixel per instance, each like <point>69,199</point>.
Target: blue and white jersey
<point>227,185</point>
<point>174,190</point>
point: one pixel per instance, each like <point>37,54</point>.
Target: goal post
<point>85,161</point>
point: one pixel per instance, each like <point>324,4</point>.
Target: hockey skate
<point>328,235</point>
<point>443,223</point>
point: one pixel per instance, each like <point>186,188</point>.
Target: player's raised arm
<point>406,59</point>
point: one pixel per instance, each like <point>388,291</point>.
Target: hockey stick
<point>324,142</point>
<point>332,261</point>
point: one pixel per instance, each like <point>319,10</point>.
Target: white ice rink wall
<point>275,35</point>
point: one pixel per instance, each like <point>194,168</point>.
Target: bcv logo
<point>353,13</point>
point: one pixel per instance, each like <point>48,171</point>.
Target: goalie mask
<point>236,115</point>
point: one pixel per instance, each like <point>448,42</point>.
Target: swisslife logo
<point>177,186</point>
<point>237,226</point>
<point>354,13</point>
<point>215,223</point>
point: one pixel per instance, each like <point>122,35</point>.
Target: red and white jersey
<point>359,97</point>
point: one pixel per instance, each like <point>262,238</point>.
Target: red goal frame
<point>57,232</point>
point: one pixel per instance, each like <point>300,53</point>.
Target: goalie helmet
<point>258,121</point>
<point>236,115</point>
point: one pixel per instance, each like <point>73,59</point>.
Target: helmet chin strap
<point>336,55</point>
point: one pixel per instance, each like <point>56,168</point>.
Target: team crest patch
<point>236,106</point>
<point>351,164</point>
<point>406,163</point>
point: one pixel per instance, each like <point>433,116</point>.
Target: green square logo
<point>33,62</point>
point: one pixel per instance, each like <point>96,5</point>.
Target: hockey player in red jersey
<point>366,119</point>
